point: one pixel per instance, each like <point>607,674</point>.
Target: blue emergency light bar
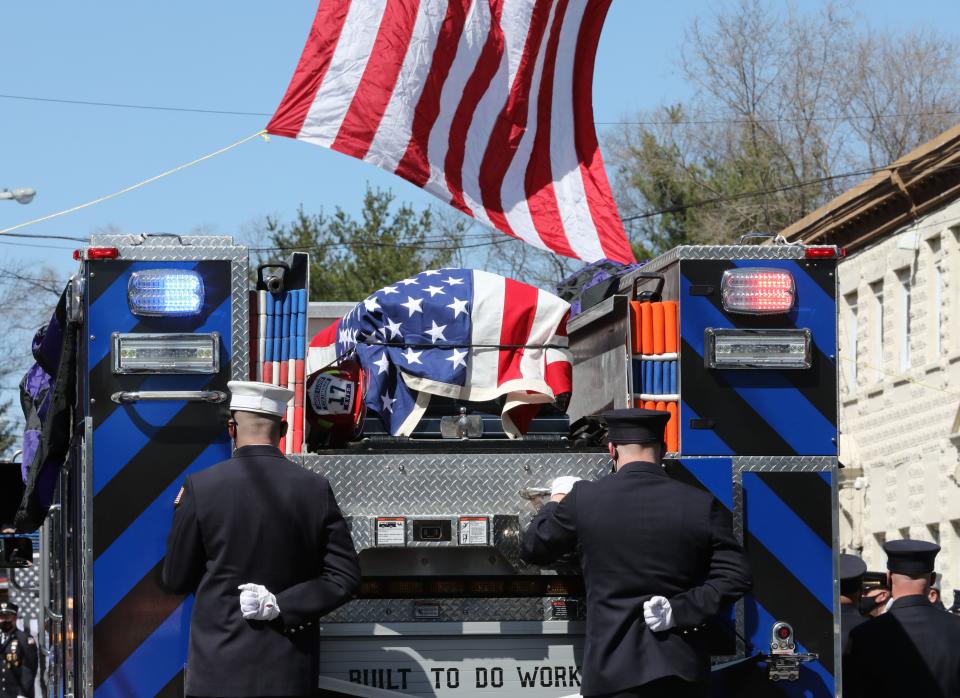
<point>165,293</point>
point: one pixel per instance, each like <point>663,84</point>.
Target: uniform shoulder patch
<point>176,501</point>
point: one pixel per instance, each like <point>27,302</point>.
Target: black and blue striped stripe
<point>141,453</point>
<point>758,412</point>
<point>793,585</point>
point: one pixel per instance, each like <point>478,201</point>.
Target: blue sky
<point>239,56</point>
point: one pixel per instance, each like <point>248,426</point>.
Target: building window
<point>876,328</point>
<point>937,313</point>
<point>936,298</point>
<point>903,321</point>
<point>850,359</point>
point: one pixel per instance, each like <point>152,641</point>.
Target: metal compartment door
<point>139,453</point>
<point>789,527</point>
<point>784,513</point>
<point>754,412</point>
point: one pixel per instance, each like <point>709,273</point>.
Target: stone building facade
<point>899,334</point>
<point>899,337</point>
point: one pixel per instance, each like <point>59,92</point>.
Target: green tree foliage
<point>790,107</point>
<point>350,258</point>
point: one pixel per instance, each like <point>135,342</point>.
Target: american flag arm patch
<point>176,501</point>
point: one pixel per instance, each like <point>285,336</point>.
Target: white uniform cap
<point>250,396</point>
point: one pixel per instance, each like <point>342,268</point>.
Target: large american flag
<point>462,333</point>
<point>487,104</point>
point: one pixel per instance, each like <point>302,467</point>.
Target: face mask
<point>867,605</point>
<point>7,626</point>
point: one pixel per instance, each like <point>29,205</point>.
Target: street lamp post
<point>21,196</point>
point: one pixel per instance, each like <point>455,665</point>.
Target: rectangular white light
<point>766,349</point>
<point>166,353</point>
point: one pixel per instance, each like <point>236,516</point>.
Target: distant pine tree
<point>351,258</point>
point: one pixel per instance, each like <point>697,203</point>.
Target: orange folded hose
<point>649,405</point>
<point>670,327</point>
<point>658,336</point>
<point>673,428</point>
<point>661,406</point>
<point>646,328</point>
<point>635,325</point>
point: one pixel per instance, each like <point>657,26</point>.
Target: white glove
<point>563,485</point>
<point>257,603</point>
<point>657,614</point>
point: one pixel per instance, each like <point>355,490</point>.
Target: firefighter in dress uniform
<point>263,545</point>
<point>18,655</point>
<point>659,559</point>
<point>852,569</point>
<point>914,648</point>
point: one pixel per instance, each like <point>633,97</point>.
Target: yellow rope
<point>900,377</point>
<point>135,186</point>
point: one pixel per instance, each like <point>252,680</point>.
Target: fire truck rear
<point>738,342</point>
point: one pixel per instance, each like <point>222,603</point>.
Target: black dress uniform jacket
<point>850,618</point>
<point>18,664</point>
<point>911,650</point>
<point>262,519</point>
<point>641,534</point>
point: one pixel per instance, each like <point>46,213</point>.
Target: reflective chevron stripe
<point>141,454</point>
<point>793,585</point>
<point>758,412</point>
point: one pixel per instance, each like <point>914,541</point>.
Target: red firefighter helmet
<point>335,400</point>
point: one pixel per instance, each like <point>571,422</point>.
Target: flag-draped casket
<point>460,333</point>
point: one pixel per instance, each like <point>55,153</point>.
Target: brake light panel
<point>758,291</point>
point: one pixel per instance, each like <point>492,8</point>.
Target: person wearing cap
<point>659,559</point>
<point>852,569</point>
<point>875,596</point>
<point>261,542</point>
<point>936,590</point>
<point>18,655</point>
<point>914,648</point>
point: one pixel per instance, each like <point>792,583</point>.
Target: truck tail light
<point>825,252</point>
<point>96,253</point>
<point>757,291</point>
<point>165,293</point>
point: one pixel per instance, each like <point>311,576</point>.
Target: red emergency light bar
<point>825,252</point>
<point>754,291</point>
<point>96,253</point>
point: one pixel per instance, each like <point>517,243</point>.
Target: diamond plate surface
<point>135,246</point>
<point>403,610</point>
<point>784,464</point>
<point>718,252</point>
<point>446,484</point>
<point>176,248</point>
<point>25,592</point>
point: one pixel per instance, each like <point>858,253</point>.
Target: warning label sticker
<point>474,530</point>
<point>391,531</point>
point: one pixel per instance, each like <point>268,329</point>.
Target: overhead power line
<point>777,120</point>
<point>35,245</point>
<point>650,122</point>
<point>118,105</point>
<point>72,238</point>
<point>757,192</point>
